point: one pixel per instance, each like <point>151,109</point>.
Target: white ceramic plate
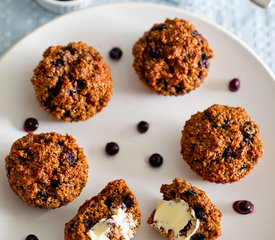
<point>121,25</point>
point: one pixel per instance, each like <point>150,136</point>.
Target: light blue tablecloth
<point>252,24</point>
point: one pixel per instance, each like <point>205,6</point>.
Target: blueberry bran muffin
<point>172,58</point>
<point>102,211</point>
<point>221,144</point>
<point>205,212</point>
<point>72,82</point>
<point>46,170</point>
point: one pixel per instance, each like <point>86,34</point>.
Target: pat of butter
<point>123,222</point>
<point>175,215</point>
<point>99,231</point>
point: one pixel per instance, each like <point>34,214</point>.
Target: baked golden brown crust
<point>114,195</point>
<point>72,82</point>
<point>205,210</point>
<point>46,170</point>
<point>172,58</point>
<point>222,144</point>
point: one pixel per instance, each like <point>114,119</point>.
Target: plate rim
<point>156,5</point>
<point>238,42</point>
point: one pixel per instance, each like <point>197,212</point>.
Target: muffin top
<point>222,144</point>
<point>172,58</point>
<point>46,170</point>
<point>72,82</point>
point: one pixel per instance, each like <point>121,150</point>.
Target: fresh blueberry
<point>112,148</point>
<point>31,237</point>
<point>31,124</point>
<point>115,53</point>
<point>156,160</point>
<point>234,85</point>
<point>243,207</point>
<point>143,126</point>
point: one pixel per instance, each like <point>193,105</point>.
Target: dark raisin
<point>71,158</point>
<point>172,194</point>
<point>31,237</point>
<point>92,205</point>
<point>57,89</point>
<point>199,212</point>
<point>55,183</point>
<point>128,201</point>
<point>115,53</point>
<point>187,227</point>
<point>246,139</point>
<point>198,236</point>
<point>248,133</point>
<point>156,160</point>
<point>42,196</point>
<point>143,126</point>
<point>30,124</point>
<point>75,89</point>
<point>234,85</point>
<point>88,224</point>
<point>228,153</point>
<point>111,148</point>
<point>70,49</point>
<point>54,172</point>
<point>190,192</point>
<point>69,92</point>
<point>155,53</point>
<point>196,34</point>
<point>47,102</point>
<point>71,226</point>
<point>22,158</point>
<point>81,85</point>
<point>57,63</point>
<point>9,170</point>
<point>178,89</point>
<point>204,61</point>
<point>108,202</point>
<point>244,167</point>
<point>243,207</point>
<point>159,27</point>
<point>225,124</point>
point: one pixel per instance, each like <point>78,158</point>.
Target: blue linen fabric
<point>252,24</point>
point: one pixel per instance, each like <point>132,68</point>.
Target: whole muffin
<point>46,170</point>
<point>221,144</point>
<point>185,213</point>
<point>72,82</point>
<point>172,58</point>
<point>112,214</point>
